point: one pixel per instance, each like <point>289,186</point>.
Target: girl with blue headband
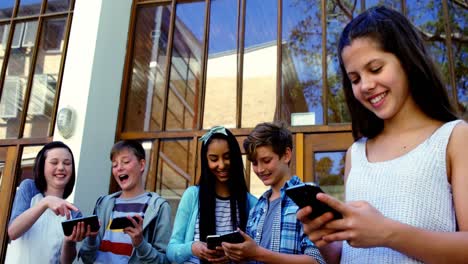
<point>218,204</point>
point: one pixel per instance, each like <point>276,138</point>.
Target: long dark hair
<point>39,164</point>
<point>395,34</point>
<point>236,184</point>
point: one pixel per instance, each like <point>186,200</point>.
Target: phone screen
<point>234,237</point>
<point>68,225</point>
<point>122,222</point>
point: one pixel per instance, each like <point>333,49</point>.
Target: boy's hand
<point>246,250</point>
<point>136,232</point>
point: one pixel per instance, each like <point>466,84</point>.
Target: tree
<point>304,43</point>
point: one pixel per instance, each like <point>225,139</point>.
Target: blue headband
<point>211,132</point>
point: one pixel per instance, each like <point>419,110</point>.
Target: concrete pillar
<point>91,86</point>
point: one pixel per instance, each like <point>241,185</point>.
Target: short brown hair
<point>275,135</point>
<point>131,145</point>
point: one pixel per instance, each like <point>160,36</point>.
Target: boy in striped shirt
<point>145,237</point>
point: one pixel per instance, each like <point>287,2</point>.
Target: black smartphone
<point>234,237</point>
<point>68,225</point>
<point>305,194</point>
<point>122,222</point>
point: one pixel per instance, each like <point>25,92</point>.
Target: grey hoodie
<point>156,230</point>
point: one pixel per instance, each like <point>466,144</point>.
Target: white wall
<point>91,87</point>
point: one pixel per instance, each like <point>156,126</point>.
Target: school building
<point>92,72</point>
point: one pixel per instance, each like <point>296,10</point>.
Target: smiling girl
<point>40,207</point>
<point>219,204</point>
<point>406,175</point>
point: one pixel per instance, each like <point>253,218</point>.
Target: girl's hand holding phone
<point>201,250</point>
<point>315,228</point>
<point>361,226</point>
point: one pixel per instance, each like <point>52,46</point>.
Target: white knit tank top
<point>412,189</point>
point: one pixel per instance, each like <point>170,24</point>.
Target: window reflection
<point>221,91</point>
<point>185,82</point>
<point>337,18</point>
<point>25,171</point>
<point>460,54</point>
<point>395,4</point>
<point>426,15</point>
<point>41,101</point>
<point>27,163</point>
<point>329,172</point>
<point>4,31</point>
<point>145,97</point>
<point>11,103</point>
<point>6,8</point>
<point>29,7</point>
<point>175,169</point>
<point>302,63</point>
<point>3,155</point>
<point>57,5</point>
<point>259,70</point>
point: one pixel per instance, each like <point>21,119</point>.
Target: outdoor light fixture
<point>65,122</point>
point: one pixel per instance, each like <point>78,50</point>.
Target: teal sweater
<point>180,245</point>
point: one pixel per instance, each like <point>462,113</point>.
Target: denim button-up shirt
<point>287,234</point>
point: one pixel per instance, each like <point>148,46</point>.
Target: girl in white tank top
<point>407,173</point>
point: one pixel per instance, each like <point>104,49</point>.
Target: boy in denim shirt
<point>273,232</point>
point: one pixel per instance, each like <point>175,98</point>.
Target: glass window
<point>459,18</point>
<point>337,18</point>
<point>461,77</point>
<point>41,101</point>
<point>25,171</point>
<point>185,80</point>
<point>6,8</point>
<point>221,90</point>
<point>175,169</point>
<point>3,156</point>
<point>302,63</point>
<point>29,7</point>
<point>14,87</point>
<point>395,4</point>
<point>53,35</point>
<point>27,163</point>
<point>329,172</point>
<point>57,6</point>
<point>260,63</point>
<point>427,16</point>
<point>4,31</point>
<point>145,97</point>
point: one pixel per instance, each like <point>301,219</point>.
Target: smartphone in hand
<point>305,194</point>
<point>68,225</point>
<point>122,222</point>
<point>214,241</point>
